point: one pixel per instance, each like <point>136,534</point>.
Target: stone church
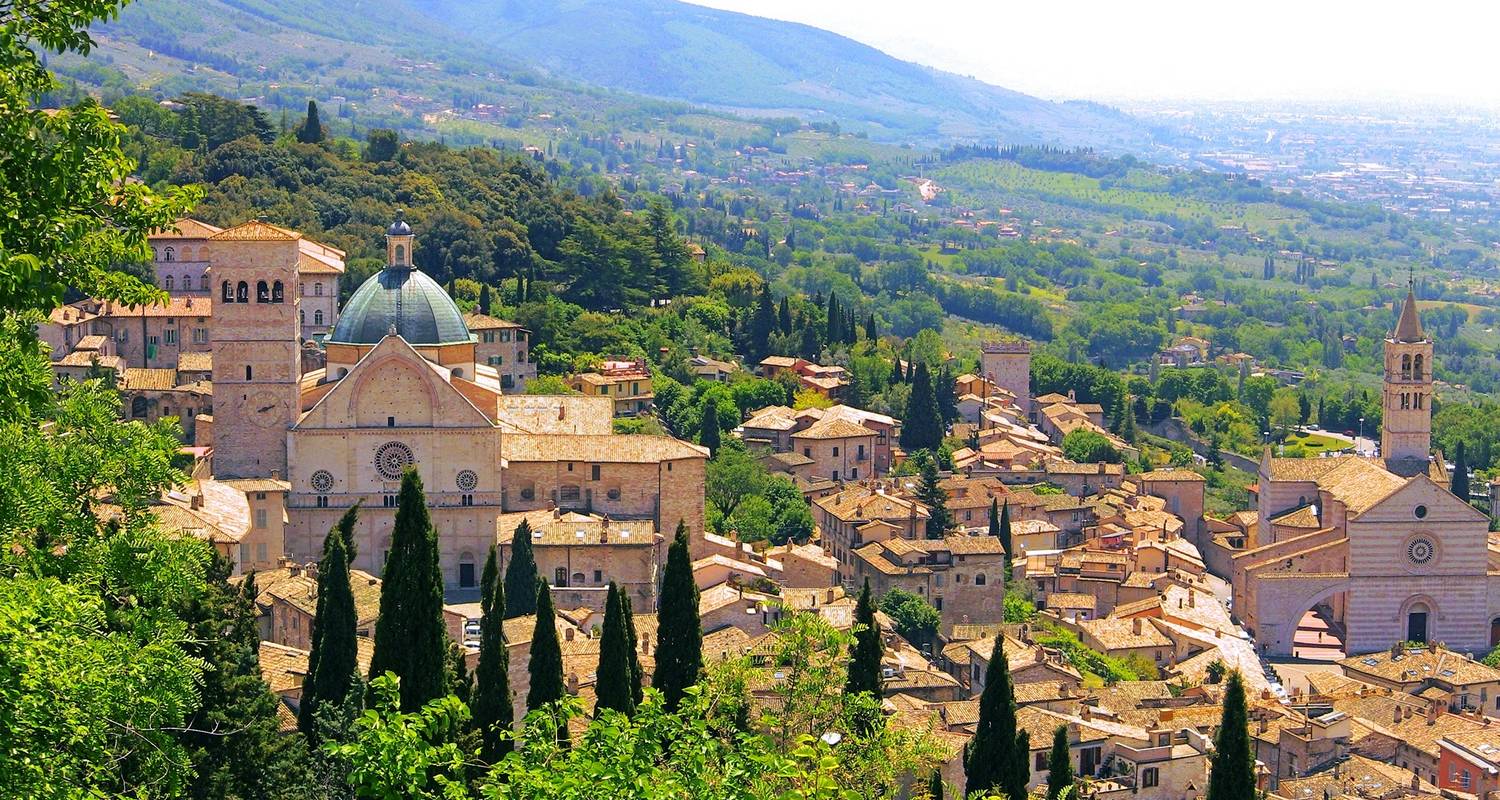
<point>403,388</point>
<point>1376,546</point>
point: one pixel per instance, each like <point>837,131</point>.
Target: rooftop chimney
<point>567,634</point>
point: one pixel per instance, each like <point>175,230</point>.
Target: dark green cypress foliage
<point>922,428</point>
<point>679,649</point>
<point>1003,531</point>
<point>520,574</point>
<point>1458,482</point>
<point>947,399</point>
<point>311,131</point>
<point>484,299</point>
<point>935,497</point>
<point>333,659</point>
<point>637,675</point>
<point>1232,774</point>
<point>991,761</point>
<point>784,317</point>
<point>1059,764</point>
<point>708,429</point>
<point>762,325</point>
<point>612,681</point>
<point>809,347</point>
<point>864,653</point>
<point>832,332</point>
<point>545,667</point>
<point>493,713</point>
<point>871,332</point>
<point>345,530</point>
<point>896,375</point>
<point>935,785</point>
<point>410,637</point>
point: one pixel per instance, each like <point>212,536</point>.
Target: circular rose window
<point>1420,550</point>
<point>322,480</point>
<point>391,459</point>
<point>467,480</point>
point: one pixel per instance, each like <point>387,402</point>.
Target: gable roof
<point>256,231</point>
<point>392,347</point>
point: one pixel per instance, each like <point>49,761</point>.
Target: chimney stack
<point>567,634</point>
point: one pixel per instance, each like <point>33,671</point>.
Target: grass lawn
<point>1315,444</point>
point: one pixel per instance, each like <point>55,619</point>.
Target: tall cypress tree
<point>708,428</point>
<point>545,667</point>
<point>871,332</point>
<point>1458,482</point>
<point>679,648</point>
<point>637,675</point>
<point>864,653</point>
<point>784,316</point>
<point>1002,529</point>
<point>1059,764</point>
<point>832,332</point>
<point>922,429</point>
<point>410,637</point>
<point>762,325</point>
<point>333,660</point>
<point>493,713</point>
<point>947,398</point>
<point>1232,774</point>
<point>991,761</point>
<point>935,497</point>
<point>484,299</point>
<point>520,574</point>
<point>612,682</point>
<point>311,130</point>
<point>935,785</point>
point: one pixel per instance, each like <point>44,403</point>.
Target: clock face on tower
<point>264,408</point>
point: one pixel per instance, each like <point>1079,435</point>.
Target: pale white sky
<point>1438,50</point>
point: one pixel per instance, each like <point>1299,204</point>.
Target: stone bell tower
<point>1406,415</point>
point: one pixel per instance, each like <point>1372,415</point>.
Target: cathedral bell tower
<point>398,242</point>
<point>1406,415</point>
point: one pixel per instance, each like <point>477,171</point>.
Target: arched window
<point>1416,367</point>
<point>227,291</point>
<point>187,283</point>
<point>262,292</point>
<point>318,289</point>
<point>187,254</point>
<point>979,579</point>
<point>169,283</point>
<point>1406,366</point>
<point>302,315</point>
<point>171,255</point>
<point>318,317</point>
<point>1417,401</point>
<point>1405,401</point>
<point>278,293</point>
<point>249,373</point>
<point>203,282</point>
<point>578,579</point>
<point>242,292</point>
<point>400,254</point>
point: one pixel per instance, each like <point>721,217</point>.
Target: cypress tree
<point>679,647</point>
<point>311,131</point>
<point>612,684</point>
<point>410,637</point>
<point>809,347</point>
<point>1458,482</point>
<point>947,399</point>
<point>935,785</point>
<point>871,332</point>
<point>637,676</point>
<point>935,497</point>
<point>762,325</point>
<point>832,333</point>
<point>784,317</point>
<point>333,660</point>
<point>545,667</point>
<point>896,374</point>
<point>708,429</point>
<point>991,761</point>
<point>922,429</point>
<point>1059,764</point>
<point>864,653</point>
<point>493,712</point>
<point>1232,774</point>
<point>1003,531</point>
<point>520,574</point>
<point>484,299</point>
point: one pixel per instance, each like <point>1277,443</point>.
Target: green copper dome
<point>405,299</point>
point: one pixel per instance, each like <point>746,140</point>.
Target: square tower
<point>1008,365</point>
<point>256,347</point>
<point>1406,412</point>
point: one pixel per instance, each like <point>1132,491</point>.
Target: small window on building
<point>594,472</point>
<point>937,602</point>
<point>318,289</point>
<point>242,292</point>
<point>1039,762</point>
<point>249,373</point>
<point>169,283</point>
<point>260,518</point>
<point>979,579</point>
<point>835,452</point>
<point>260,552</point>
<point>598,576</point>
<point>1150,776</point>
<point>466,500</point>
<point>318,317</point>
<point>390,422</point>
<point>203,283</point>
<point>262,292</point>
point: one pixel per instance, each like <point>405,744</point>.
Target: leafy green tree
<point>922,426</point>
<point>932,494</point>
<point>679,647</point>
<point>1458,482</point>
<point>612,684</point>
<point>708,432</point>
<point>382,144</point>
<point>1059,764</point>
<point>916,619</point>
<point>1231,775</point>
<point>864,654</point>
<point>333,660</point>
<point>671,252</point>
<point>405,754</point>
<point>311,130</point>
<point>997,757</point>
<point>546,666</point>
<point>410,637</point>
<point>493,712</point>
<point>1088,447</point>
<point>520,574</point>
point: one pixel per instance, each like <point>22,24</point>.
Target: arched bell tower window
<point>1406,366</point>
<point>1416,369</point>
<point>262,292</point>
<point>278,292</point>
<point>400,254</point>
<point>242,292</point>
<point>203,282</point>
<point>227,291</point>
<point>171,255</point>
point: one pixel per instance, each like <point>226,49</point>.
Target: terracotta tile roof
<point>1171,475</point>
<point>1357,776</point>
<point>776,418</point>
<point>779,361</point>
<point>1123,634</point>
<point>833,428</point>
<point>195,362</point>
<point>1416,666</point>
<point>483,322</point>
<point>137,379</point>
<point>790,459</point>
<point>256,231</point>
<point>608,449</point>
<point>1071,600</point>
<point>174,307</point>
<point>1071,468</point>
<point>282,667</point>
<point>565,528</point>
<point>1305,469</point>
<point>87,358</point>
<point>859,503</point>
<point>187,228</point>
<point>1300,517</point>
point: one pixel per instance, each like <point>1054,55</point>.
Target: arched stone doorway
<point>1418,621</point>
<point>1320,634</point>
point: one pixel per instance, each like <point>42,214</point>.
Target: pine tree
<point>1002,529</point>
<point>1458,482</point>
<point>332,662</point>
<point>410,636</point>
<point>833,333</point>
<point>520,574</point>
<point>679,646</point>
<point>865,652</point>
<point>311,131</point>
<point>708,429</point>
<point>484,299</point>
<point>922,429</point>
<point>637,675</point>
<point>991,761</point>
<point>935,497</point>
<point>493,712</point>
<point>784,316</point>
<point>871,332</point>
<point>896,375</point>
<point>545,666</point>
<point>1232,774</point>
<point>1059,764</point>
<point>612,682</point>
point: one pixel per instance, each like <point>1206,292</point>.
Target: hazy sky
<point>1169,49</point>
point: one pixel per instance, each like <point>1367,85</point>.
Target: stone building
<point>503,345</point>
<point>962,576</point>
<point>626,382</point>
<point>1008,366</point>
<point>580,554</point>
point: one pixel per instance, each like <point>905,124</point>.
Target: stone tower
<point>1406,416</point>
<point>398,242</point>
<point>1008,365</point>
<point>256,348</point>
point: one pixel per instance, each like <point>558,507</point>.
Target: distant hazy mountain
<point>660,48</point>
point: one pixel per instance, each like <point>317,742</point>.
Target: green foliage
<point>493,711</point>
<point>916,619</point>
<point>520,574</point>
<point>679,646</point>
<point>332,662</point>
<point>1459,479</point>
<point>998,757</point>
<point>1059,765</point>
<point>1018,607</point>
<point>708,433</point>
<point>1092,662</point>
<point>1231,775</point>
<point>411,640</point>
<point>311,130</point>
<point>1086,446</point>
<point>409,755</point>
<point>934,496</point>
<point>545,666</point>
<point>922,424</point>
<point>612,683</point>
<point>864,654</point>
